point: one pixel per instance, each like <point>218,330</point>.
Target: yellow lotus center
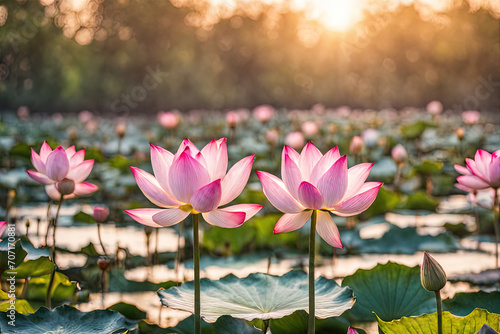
<point>188,208</point>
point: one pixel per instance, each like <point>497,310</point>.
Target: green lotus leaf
<point>427,323</point>
<point>21,306</point>
<point>415,130</point>
<point>31,268</point>
<point>260,296</point>
<point>128,310</point>
<point>67,320</point>
<point>392,290</point>
<point>428,167</point>
<point>296,323</point>
<point>63,288</point>
<point>17,254</point>
<point>82,217</point>
<point>421,201</point>
<point>224,325</point>
<point>464,303</point>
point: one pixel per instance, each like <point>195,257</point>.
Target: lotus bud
<point>356,145</point>
<point>272,137</point>
<point>399,154</point>
<point>470,117</point>
<point>66,186</point>
<point>432,275</point>
<point>232,119</point>
<point>169,120</point>
<point>103,262</point>
<point>100,213</point>
<point>434,108</point>
<point>460,133</point>
<point>121,129</point>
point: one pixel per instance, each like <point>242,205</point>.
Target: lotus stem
<point>312,254</point>
<point>100,239</point>
<point>496,222</point>
<point>157,238</point>
<point>196,259</point>
<point>178,254</point>
<point>266,326</point>
<point>49,222</point>
<point>103,272</point>
<point>439,305</point>
<point>53,256</point>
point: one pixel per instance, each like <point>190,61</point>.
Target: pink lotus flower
<point>194,181</point>
<point>3,226</point>
<point>313,181</point>
<point>482,172</point>
<point>310,128</point>
<point>351,330</point>
<point>54,166</point>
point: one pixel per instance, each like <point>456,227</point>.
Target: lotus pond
<point>91,245</point>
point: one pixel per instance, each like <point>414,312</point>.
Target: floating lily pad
<point>428,167</point>
<point>427,323</point>
<point>415,130</point>
<point>67,320</point>
<point>260,296</point>
<point>392,290</point>
<point>223,325</point>
<point>464,303</point>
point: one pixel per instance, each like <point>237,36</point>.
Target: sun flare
<point>336,15</point>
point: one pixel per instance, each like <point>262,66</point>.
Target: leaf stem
<point>312,254</point>
<point>196,259</point>
<point>439,311</point>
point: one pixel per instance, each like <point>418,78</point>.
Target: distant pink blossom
<point>481,173</point>
<point>471,117</point>
<point>356,145</point>
<point>399,154</point>
<point>54,166</point>
<point>310,128</point>
<point>295,139</point>
<point>232,119</point>
<point>434,108</point>
<point>313,181</point>
<point>263,113</point>
<point>168,119</point>
<point>194,181</point>
<point>272,136</point>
